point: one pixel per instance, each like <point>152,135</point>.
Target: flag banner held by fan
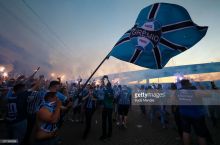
<point>161,31</point>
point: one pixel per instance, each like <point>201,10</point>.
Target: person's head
<point>105,80</point>
<point>149,87</point>
<point>54,86</point>
<point>11,82</point>
<point>41,77</point>
<point>159,87</point>
<point>109,85</point>
<point>64,89</point>
<point>213,85</point>
<point>73,85</point>
<point>50,96</point>
<point>88,86</point>
<point>93,84</point>
<point>18,88</point>
<point>90,89</point>
<point>173,86</point>
<point>124,87</point>
<point>185,84</point>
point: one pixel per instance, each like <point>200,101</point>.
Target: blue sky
<point>82,32</point>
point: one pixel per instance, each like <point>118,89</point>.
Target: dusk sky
<point>72,37</point>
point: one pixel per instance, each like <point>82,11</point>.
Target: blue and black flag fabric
<point>161,31</point>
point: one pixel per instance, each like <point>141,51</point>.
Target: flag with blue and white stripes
<point>161,31</point>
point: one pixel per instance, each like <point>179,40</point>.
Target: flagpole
<point>107,56</point>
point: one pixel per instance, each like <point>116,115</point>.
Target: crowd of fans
<point>34,109</point>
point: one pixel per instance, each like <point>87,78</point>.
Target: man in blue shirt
<point>47,118</point>
<point>16,117</point>
<point>107,110</point>
<point>35,98</point>
<point>55,86</point>
<point>89,107</point>
<point>124,102</point>
<point>192,115</point>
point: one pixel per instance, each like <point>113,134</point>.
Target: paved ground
<point>139,132</point>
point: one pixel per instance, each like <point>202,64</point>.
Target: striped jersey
<point>46,126</point>
<point>34,101</point>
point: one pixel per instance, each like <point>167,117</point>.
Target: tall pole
<point>94,73</point>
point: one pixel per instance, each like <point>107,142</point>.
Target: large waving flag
<point>161,31</point>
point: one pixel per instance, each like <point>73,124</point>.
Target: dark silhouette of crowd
<point>34,109</point>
